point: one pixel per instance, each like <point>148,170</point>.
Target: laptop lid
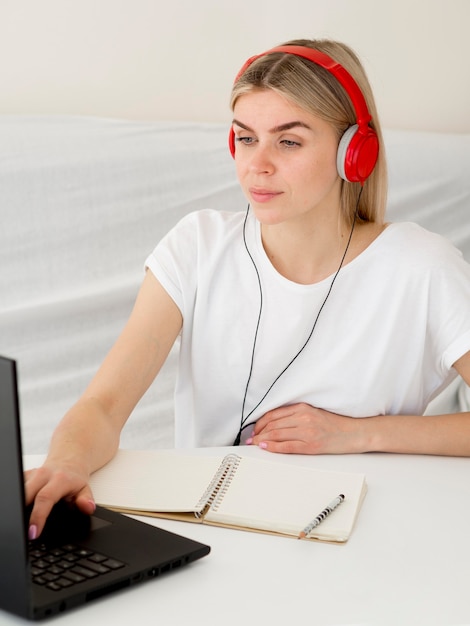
<point>127,551</point>
<point>14,576</point>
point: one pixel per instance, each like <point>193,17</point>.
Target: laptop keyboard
<point>59,568</point>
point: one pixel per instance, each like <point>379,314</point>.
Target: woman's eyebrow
<point>276,129</point>
<point>288,126</point>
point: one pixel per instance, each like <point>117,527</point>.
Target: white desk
<point>406,563</point>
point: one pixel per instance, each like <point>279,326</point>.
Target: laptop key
<point>99,568</point>
<point>75,578</point>
<point>65,564</point>
<point>71,557</point>
<point>83,571</point>
<point>36,571</point>
<point>113,564</point>
<point>49,577</point>
<point>57,552</point>
<point>82,553</point>
<point>36,554</point>
<point>97,558</point>
<point>51,558</point>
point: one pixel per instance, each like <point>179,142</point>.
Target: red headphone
<point>358,148</point>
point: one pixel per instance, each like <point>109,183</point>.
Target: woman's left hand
<point>304,429</point>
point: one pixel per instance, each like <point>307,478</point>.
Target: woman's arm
<point>303,429</point>
<point>88,435</point>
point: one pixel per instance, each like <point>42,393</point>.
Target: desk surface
<point>407,561</point>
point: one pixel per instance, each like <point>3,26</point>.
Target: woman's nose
<point>262,159</point>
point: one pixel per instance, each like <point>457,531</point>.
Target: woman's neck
<point>305,253</point>
<point>308,255</point>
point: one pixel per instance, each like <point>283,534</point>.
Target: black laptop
<point>77,558</point>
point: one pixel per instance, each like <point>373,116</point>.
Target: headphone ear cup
<point>357,154</point>
<point>231,142</point>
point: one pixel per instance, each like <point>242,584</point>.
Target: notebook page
<point>153,481</point>
<point>283,498</point>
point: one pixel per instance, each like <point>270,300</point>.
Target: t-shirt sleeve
<point>450,307</point>
<point>174,260</point>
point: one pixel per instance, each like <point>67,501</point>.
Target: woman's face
<point>285,159</point>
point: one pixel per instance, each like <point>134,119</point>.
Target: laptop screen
<point>14,579</point>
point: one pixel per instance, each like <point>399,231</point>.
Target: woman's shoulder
<point>203,232</point>
<point>208,229</point>
<point>413,241</point>
<point>212,218</point>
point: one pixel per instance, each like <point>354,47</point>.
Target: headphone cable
<point>244,418</point>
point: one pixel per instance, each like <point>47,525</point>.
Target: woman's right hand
<point>46,485</point>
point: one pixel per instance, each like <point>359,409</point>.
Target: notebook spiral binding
<point>219,484</point>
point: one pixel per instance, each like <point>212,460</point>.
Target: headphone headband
<point>363,117</point>
<point>359,147</point>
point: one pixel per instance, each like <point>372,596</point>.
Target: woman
<point>300,314</point>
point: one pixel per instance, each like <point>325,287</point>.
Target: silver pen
<point>321,516</point>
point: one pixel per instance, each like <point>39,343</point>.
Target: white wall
<point>155,59</point>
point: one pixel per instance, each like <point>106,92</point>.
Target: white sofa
<point>84,200</point>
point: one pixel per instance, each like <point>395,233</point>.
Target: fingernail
<point>249,441</point>
<point>263,445</point>
<point>32,532</point>
<point>93,504</point>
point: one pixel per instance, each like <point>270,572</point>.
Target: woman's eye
<point>245,140</point>
<point>289,143</point>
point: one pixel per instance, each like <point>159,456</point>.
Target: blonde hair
<point>316,90</point>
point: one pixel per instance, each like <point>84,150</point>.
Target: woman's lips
<point>263,195</point>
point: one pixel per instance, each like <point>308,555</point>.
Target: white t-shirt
<point>397,318</point>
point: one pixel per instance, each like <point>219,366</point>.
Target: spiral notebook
<point>232,491</point>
